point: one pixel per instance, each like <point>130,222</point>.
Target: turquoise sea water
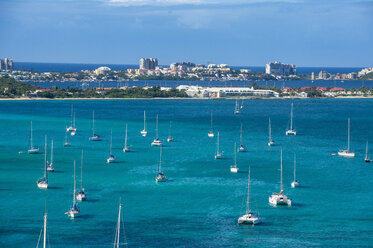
<point>200,204</point>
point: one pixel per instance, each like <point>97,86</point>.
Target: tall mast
<point>169,131</point>
<point>144,120</point>
<point>217,146</point>
<point>156,128</point>
<point>295,166</point>
<point>281,171</point>
<point>31,143</point>
<point>52,152</point>
<point>348,139</point>
<point>125,139</point>
<point>241,136</point>
<point>211,121</point>
<point>93,124</point>
<point>366,151</point>
<point>269,129</point>
<point>74,185</point>
<point>45,231</point>
<point>71,115</point>
<point>235,155</point>
<point>291,117</point>
<point>74,121</point>
<point>45,160</point>
<point>117,232</point>
<point>111,139</point>
<point>81,172</point>
<point>160,160</point>
<point>248,193</point>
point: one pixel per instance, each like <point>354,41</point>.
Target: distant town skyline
<point>237,32</point>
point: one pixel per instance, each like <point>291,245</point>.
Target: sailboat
<point>111,158</point>
<point>71,127</point>
<point>241,104</point>
<point>74,210</point>
<point>73,132</point>
<point>126,148</point>
<point>271,142</point>
<point>50,167</point>
<point>44,232</point>
<point>242,147</point>
<point>234,168</point>
<point>367,158</point>
<point>144,132</point>
<point>81,195</point>
<point>33,149</point>
<point>295,183</point>
<point>291,131</point>
<point>211,133</point>
<point>237,108</point>
<point>279,198</point>
<point>218,155</point>
<point>347,153</point>
<point>117,243</point>
<point>249,217</point>
<point>160,178</point>
<point>43,182</point>
<point>95,137</point>
<point>156,141</point>
<point>67,143</point>
<point>169,138</point>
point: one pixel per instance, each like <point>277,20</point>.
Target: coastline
<point>180,98</point>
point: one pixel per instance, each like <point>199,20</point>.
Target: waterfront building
<point>6,64</point>
<point>279,68</point>
<point>182,66</point>
<point>365,71</point>
<point>148,63</point>
<point>102,70</point>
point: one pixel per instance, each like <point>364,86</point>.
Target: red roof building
<point>337,89</point>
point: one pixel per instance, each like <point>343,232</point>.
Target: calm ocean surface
<point>200,204</point>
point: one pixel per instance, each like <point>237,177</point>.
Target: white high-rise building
<point>279,68</point>
<point>148,63</point>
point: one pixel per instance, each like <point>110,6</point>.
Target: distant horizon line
<point>37,62</point>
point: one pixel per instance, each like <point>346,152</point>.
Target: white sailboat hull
<point>242,149</point>
<point>295,184</point>
<point>81,196</point>
<point>249,219</point>
<point>111,159</point>
<point>346,154</point>
<point>234,169</point>
<point>33,151</point>
<point>211,135</point>
<point>42,185</point>
<point>291,132</point>
<point>271,143</point>
<point>144,133</point>
<point>170,139</point>
<point>219,156</point>
<point>126,149</point>
<point>95,138</point>
<point>279,199</point>
<point>156,142</point>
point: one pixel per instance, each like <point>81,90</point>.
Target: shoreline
<point>180,98</point>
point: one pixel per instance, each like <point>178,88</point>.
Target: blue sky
<point>237,32</point>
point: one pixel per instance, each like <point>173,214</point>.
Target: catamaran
<point>367,158</point>
<point>160,178</point>
<point>279,198</point>
<point>126,148</point>
<point>169,138</point>
<point>249,217</point>
<point>295,183</point>
<point>347,153</point>
<point>50,167</point>
<point>218,155</point>
<point>117,243</point>
<point>156,141</point>
<point>211,133</point>
<point>43,182</point>
<point>73,132</point>
<point>95,137</point>
<point>81,195</point>
<point>242,147</point>
<point>33,149</point>
<point>144,132</point>
<point>234,168</point>
<point>111,158</point>
<point>291,131</point>
<point>271,142</point>
<point>74,210</point>
<point>44,230</point>
<point>67,143</point>
<point>237,108</point>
